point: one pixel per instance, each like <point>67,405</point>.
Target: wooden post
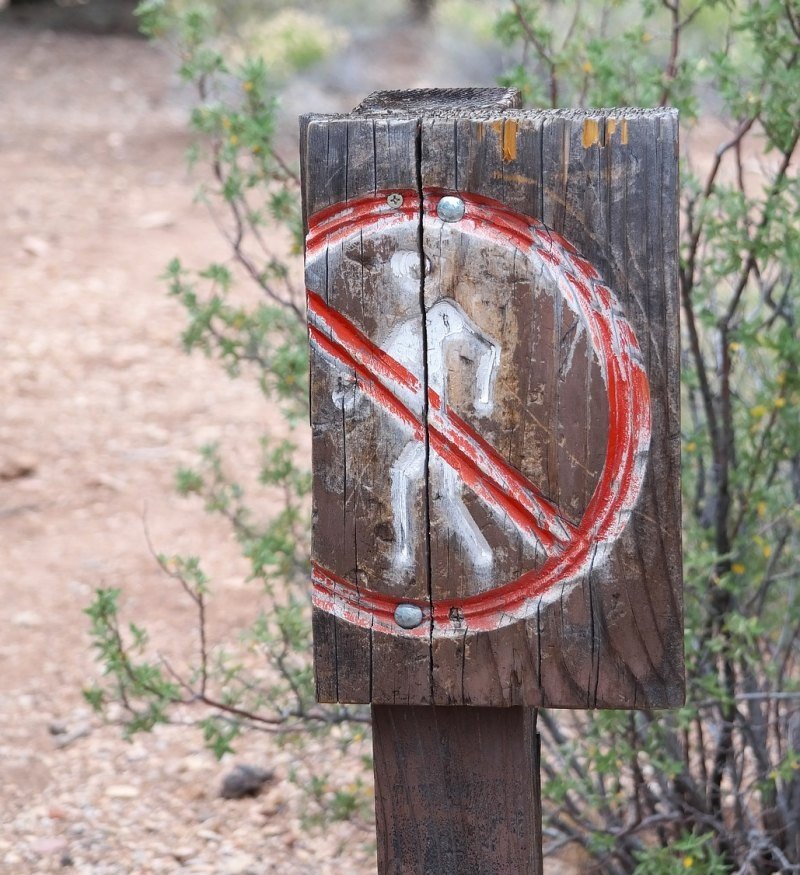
<point>494,402</point>
<point>457,790</point>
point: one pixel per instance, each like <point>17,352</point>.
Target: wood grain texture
<point>355,442</point>
<point>472,298</point>
<point>457,791</point>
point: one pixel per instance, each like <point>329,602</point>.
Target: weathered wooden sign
<point>493,323</point>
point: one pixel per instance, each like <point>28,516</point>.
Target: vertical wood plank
<point>373,282</point>
<point>568,170</point>
<point>457,791</point>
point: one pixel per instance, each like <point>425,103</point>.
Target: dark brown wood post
<point>493,320</point>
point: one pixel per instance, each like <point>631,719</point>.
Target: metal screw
<point>395,200</point>
<point>456,615</point>
<point>408,616</point>
<point>450,209</point>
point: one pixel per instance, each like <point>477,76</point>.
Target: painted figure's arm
<point>485,374</point>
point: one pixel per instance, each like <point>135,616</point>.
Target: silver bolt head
<point>408,616</point>
<point>450,208</point>
<point>395,200</point>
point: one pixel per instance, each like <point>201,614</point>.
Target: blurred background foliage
<point>714,786</point>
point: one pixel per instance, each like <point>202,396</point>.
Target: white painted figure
<point>445,322</point>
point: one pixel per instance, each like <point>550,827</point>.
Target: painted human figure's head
<point>405,265</point>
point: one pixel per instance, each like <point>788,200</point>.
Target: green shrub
<point>714,786</point>
<point>263,679</point>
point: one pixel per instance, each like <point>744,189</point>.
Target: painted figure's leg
<point>407,473</point>
<point>461,519</point>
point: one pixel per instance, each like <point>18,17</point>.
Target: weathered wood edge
<point>425,100</point>
<point>482,114</point>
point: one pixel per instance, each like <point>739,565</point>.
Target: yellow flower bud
<point>737,568</point>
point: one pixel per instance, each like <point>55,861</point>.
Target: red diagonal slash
<point>571,551</point>
<point>478,463</point>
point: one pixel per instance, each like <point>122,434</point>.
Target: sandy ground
<point>98,407</point>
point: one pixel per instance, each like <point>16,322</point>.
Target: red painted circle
<point>620,360</point>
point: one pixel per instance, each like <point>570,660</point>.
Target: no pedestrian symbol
<point>388,370</point>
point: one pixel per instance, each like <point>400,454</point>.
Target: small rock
<point>26,618</point>
<point>47,846</point>
<point>182,855</point>
<point>17,466</point>
<point>106,481</point>
<point>238,865</point>
<point>122,791</point>
<point>244,781</point>
<point>35,246</point>
<point>67,738</point>
<point>57,728</point>
<point>136,753</point>
<point>66,861</point>
<point>193,763</point>
<point>155,221</point>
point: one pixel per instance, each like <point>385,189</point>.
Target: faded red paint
<point>570,549</point>
<point>339,221</point>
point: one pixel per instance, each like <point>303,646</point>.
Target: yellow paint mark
<point>611,126</point>
<point>624,133</point>
<point>480,132</point>
<point>591,132</point>
<point>497,127</point>
<point>510,140</point>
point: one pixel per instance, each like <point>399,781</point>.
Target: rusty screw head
<point>450,209</point>
<point>408,616</point>
<point>395,199</point>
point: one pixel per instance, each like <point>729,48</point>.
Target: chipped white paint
<point>445,322</point>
